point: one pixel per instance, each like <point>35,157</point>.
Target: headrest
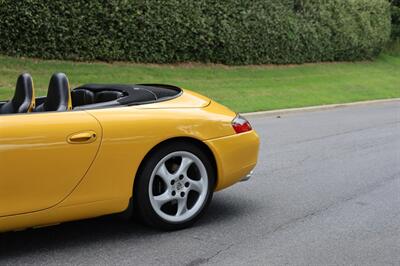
<point>24,97</point>
<point>23,100</point>
<point>58,95</point>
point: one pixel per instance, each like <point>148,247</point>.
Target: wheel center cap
<point>179,186</point>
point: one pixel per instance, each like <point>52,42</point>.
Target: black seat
<point>23,100</point>
<point>82,97</point>
<point>58,95</point>
<point>106,96</point>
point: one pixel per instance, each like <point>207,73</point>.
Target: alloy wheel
<point>178,187</point>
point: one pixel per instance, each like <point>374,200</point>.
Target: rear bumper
<point>236,157</point>
<point>247,177</point>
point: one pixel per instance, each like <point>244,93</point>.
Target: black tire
<point>142,207</point>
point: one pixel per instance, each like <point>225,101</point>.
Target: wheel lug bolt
<point>182,194</point>
<point>187,184</point>
<point>173,193</point>
<point>181,177</point>
<point>172,182</point>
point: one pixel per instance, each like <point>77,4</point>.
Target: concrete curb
<point>316,108</point>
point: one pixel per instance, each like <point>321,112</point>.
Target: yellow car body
<point>48,176</point>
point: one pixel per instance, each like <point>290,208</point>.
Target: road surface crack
<point>200,261</point>
<point>345,132</point>
<point>365,191</point>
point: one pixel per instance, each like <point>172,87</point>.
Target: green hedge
<point>395,19</point>
<point>220,31</point>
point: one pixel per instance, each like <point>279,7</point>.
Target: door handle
<point>82,137</point>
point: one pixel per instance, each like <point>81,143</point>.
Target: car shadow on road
<point>112,228</point>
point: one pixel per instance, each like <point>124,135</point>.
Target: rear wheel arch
<point>191,140</point>
<point>141,207</point>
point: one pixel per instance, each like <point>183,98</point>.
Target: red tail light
<point>240,124</point>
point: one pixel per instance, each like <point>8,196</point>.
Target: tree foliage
<point>395,10</point>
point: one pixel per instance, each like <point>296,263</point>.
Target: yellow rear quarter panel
<point>130,134</point>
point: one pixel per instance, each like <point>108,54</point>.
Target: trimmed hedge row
<point>220,31</point>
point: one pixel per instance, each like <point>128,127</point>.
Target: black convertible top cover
<point>130,94</point>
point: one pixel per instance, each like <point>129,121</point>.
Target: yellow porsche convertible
<point>99,149</point>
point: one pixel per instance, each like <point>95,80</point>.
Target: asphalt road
<point>326,191</point>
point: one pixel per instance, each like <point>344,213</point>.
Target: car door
<point>43,157</point>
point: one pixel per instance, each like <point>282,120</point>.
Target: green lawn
<point>244,88</point>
